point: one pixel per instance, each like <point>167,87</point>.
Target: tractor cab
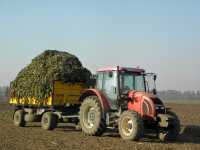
<point>116,82</point>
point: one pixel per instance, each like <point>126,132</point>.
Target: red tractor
<point>123,99</point>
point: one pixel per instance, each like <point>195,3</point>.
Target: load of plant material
<point>36,79</point>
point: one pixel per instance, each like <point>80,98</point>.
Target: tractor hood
<point>136,95</point>
<point>144,103</point>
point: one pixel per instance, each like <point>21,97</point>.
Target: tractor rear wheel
<point>91,116</point>
<point>19,118</point>
<point>49,121</point>
<point>172,131</point>
<point>130,125</point>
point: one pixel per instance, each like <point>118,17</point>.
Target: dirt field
<point>33,137</point>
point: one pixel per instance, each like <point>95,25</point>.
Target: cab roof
<point>139,70</point>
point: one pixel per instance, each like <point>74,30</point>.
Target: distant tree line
<point>178,95</point>
<point>4,92</point>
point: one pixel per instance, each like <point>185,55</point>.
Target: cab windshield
<point>132,81</point>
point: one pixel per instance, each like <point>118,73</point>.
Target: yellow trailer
<point>64,94</point>
<point>62,105</point>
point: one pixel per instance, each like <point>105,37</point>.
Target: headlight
<point>160,107</point>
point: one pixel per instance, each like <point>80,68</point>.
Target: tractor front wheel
<point>91,116</point>
<point>172,131</point>
<point>130,125</point>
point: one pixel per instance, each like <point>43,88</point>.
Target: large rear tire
<point>18,118</point>
<point>130,126</point>
<point>91,116</point>
<point>49,121</point>
<point>172,131</point>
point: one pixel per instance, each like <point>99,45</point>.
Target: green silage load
<point>36,79</point>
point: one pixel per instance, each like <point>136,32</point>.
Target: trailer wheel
<point>18,118</point>
<point>91,116</point>
<point>172,131</point>
<point>49,121</point>
<point>130,125</point>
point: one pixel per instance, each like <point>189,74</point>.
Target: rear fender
<point>94,92</point>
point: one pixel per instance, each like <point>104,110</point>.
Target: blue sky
<point>160,36</point>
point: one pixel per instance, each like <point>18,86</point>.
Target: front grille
<point>147,109</point>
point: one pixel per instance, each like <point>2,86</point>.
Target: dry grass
<point>33,137</point>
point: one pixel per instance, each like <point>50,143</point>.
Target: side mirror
<point>154,91</point>
<point>154,77</point>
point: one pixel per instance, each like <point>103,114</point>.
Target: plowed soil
<point>65,137</point>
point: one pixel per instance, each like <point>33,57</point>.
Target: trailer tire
<point>130,126</point>
<point>18,118</point>
<point>49,121</point>
<point>91,116</point>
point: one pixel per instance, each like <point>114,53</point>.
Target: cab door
<point>107,83</point>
